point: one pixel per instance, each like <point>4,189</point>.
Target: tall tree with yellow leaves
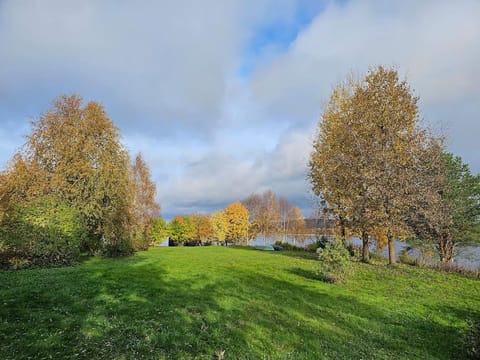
<point>338,165</point>
<point>367,153</point>
<point>237,218</point>
<point>75,153</point>
<point>145,207</point>
<point>219,224</point>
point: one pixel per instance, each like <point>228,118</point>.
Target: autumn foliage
<point>74,157</point>
<point>145,207</point>
<point>379,173</point>
<point>237,218</point>
<point>240,222</point>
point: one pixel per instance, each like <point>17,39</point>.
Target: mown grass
<point>198,302</point>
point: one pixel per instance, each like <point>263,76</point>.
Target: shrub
<point>319,243</point>
<point>406,258</point>
<point>335,264</point>
<point>173,242</point>
<point>140,240</point>
<point>311,247</point>
<point>288,246</point>
<point>192,243</point>
<point>472,339</point>
<point>376,258</point>
<point>454,268</point>
<point>117,248</point>
<point>355,251</point>
<point>44,232</point>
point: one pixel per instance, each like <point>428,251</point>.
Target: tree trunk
<point>365,248</point>
<point>343,230</point>
<point>445,247</point>
<point>392,258</point>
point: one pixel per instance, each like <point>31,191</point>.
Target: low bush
<point>454,268</point>
<point>335,262</point>
<point>311,247</point>
<point>355,251</point>
<point>117,248</point>
<point>44,232</point>
<point>141,240</point>
<point>288,246</point>
<point>192,243</point>
<point>407,259</point>
<point>376,258</point>
<point>319,243</point>
<point>173,242</point>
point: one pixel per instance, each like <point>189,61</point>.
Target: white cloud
<point>215,178</point>
<point>167,73</point>
<point>156,64</point>
<point>166,61</point>
<point>435,43</point>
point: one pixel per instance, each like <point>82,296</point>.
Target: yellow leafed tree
<point>145,207</point>
<point>237,218</point>
<point>367,153</point>
<point>219,224</point>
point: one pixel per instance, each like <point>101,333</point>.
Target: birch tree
<point>367,153</point>
<point>285,209</point>
<point>145,207</point>
<point>269,218</point>
<point>296,224</point>
<point>76,154</point>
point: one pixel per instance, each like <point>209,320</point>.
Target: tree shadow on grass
<point>304,255</point>
<point>126,308</point>
<point>324,322</point>
<point>135,308</point>
<point>307,274</point>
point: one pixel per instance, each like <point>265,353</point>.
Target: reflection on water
<point>466,256</point>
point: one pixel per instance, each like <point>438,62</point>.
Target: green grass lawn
<point>195,302</point>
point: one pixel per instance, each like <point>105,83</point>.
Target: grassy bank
<point>200,302</point>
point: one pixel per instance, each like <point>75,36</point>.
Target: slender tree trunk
<point>343,232</point>
<point>445,247</point>
<point>365,247</point>
<point>392,258</point>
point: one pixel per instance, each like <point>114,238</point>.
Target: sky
<point>222,97</point>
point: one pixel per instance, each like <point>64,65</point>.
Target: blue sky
<point>278,34</point>
<point>223,96</point>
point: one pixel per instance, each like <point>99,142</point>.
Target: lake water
<point>466,256</point>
